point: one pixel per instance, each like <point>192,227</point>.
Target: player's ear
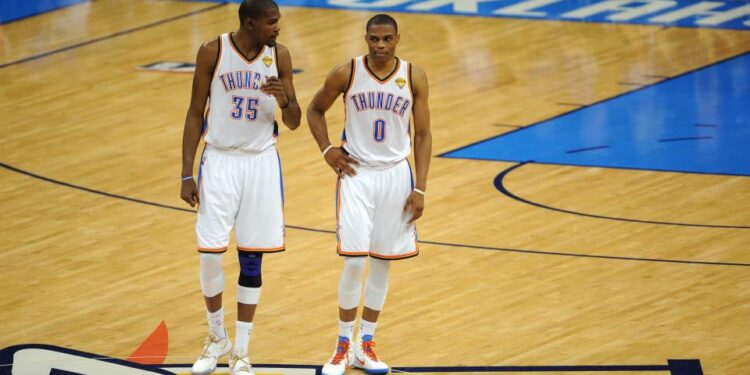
<point>248,23</point>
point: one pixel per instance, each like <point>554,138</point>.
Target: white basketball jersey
<point>377,115</point>
<point>240,117</point>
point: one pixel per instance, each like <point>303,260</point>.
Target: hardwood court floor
<point>497,282</point>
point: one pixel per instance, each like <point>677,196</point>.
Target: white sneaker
<point>240,365</point>
<point>213,348</point>
<point>366,359</point>
<point>341,359</point>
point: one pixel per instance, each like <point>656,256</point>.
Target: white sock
<point>216,323</point>
<point>367,328</point>
<point>346,329</point>
<point>242,336</point>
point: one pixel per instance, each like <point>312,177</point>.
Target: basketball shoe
<point>341,359</point>
<point>366,359</point>
<point>240,365</point>
<point>213,348</point>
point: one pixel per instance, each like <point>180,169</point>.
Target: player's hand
<point>415,204</point>
<point>273,86</point>
<point>340,162</point>
<point>189,192</point>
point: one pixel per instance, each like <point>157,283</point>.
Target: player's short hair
<point>381,19</point>
<point>255,8</point>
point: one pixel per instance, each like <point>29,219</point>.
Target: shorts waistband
<point>379,167</point>
<point>365,164</point>
<point>237,152</point>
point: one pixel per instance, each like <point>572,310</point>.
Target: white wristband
<point>327,149</point>
<point>419,191</point>
<point>185,178</point>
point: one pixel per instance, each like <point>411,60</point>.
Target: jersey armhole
<point>218,60</point>
<point>352,70</point>
<point>276,59</point>
<point>411,85</point>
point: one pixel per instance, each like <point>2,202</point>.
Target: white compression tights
<point>376,287</point>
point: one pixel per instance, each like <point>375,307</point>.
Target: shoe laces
<point>240,364</point>
<point>342,351</point>
<point>367,348</point>
<point>210,339</point>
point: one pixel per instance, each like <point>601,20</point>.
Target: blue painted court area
<point>698,122</point>
<point>11,10</point>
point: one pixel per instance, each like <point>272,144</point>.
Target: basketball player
<point>244,75</point>
<point>377,200</point>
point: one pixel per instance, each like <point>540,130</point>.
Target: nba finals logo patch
<point>267,61</point>
<point>400,82</point>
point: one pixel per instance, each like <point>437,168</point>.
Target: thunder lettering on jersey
<point>378,112</point>
<point>240,117</point>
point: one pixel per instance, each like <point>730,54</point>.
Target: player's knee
<point>250,270</point>
<point>211,274</point>
<point>351,282</point>
<point>354,268</point>
<point>250,281</point>
<point>379,270</point>
<point>377,284</point>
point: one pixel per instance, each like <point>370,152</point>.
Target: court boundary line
<point>498,182</point>
<point>447,244</point>
<point>602,101</point>
<point>110,36</point>
<point>673,366</point>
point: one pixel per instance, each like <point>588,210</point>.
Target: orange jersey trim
<point>411,87</point>
<point>351,253</point>
<point>394,257</point>
<point>388,77</point>
<point>212,250</point>
<point>261,249</point>
<point>338,193</point>
<point>276,58</point>
<point>352,71</point>
<point>249,61</point>
<point>399,256</point>
<point>218,62</point>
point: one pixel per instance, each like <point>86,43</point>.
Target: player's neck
<point>244,41</point>
<point>381,67</point>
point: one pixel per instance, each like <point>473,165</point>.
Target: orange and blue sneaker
<point>366,359</point>
<point>341,358</point>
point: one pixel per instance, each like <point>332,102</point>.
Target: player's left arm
<point>422,141</point>
<point>283,89</point>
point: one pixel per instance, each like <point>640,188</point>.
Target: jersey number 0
<point>378,130</point>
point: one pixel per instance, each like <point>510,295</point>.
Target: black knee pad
<point>250,281</point>
<point>250,270</point>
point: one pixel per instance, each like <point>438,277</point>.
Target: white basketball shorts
<point>244,191</point>
<point>370,213</point>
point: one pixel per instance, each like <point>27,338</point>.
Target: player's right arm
<point>191,136</point>
<point>336,83</point>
